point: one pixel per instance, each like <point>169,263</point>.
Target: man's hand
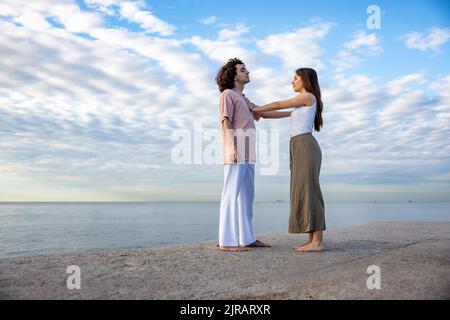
<point>231,155</point>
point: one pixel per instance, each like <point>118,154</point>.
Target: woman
<point>307,207</point>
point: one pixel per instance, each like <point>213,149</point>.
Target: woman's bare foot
<point>306,243</point>
<point>310,247</point>
<point>233,249</point>
<point>302,245</point>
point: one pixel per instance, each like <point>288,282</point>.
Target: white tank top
<point>302,119</point>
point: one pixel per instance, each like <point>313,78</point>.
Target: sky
<point>93,94</point>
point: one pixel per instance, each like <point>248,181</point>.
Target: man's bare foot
<point>258,244</point>
<point>310,247</point>
<point>233,249</point>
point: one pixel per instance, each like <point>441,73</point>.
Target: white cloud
<point>360,45</point>
<point>442,107</point>
<point>229,44</point>
<point>98,111</point>
<point>65,12</point>
<point>430,40</point>
<point>442,85</point>
<point>208,20</point>
<point>75,20</point>
<point>360,39</point>
<point>135,12</point>
<point>299,48</point>
<point>399,85</point>
<point>222,50</point>
<point>104,6</point>
<point>170,55</point>
<point>232,33</point>
<point>33,20</point>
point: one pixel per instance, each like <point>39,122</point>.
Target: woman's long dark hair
<point>311,84</point>
<point>226,74</point>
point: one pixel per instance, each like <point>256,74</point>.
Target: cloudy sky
<point>92,93</point>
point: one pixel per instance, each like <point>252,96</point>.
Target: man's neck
<point>239,87</point>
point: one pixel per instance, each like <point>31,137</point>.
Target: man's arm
<point>228,140</point>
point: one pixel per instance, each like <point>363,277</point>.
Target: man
<point>238,138</point>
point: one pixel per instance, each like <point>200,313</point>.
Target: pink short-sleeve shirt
<point>236,107</point>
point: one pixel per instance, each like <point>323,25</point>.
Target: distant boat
<point>410,201</point>
<point>279,200</point>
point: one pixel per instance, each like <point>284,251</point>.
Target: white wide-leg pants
<point>236,205</point>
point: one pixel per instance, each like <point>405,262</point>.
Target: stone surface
<point>414,259</point>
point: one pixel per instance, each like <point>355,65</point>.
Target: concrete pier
<point>413,260</point>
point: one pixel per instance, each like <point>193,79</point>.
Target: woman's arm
<point>302,99</point>
<point>275,114</point>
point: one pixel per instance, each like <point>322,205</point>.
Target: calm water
<point>39,228</point>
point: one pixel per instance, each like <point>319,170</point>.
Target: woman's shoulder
<point>304,99</point>
<point>311,98</point>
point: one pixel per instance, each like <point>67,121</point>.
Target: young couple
<point>237,116</point>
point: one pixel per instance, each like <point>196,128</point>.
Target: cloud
<point>135,12</point>
<point>378,132</point>
<point>104,6</point>
<point>168,53</point>
<point>88,107</point>
<point>229,44</point>
<point>208,20</point>
<point>33,20</point>
<point>221,50</point>
<point>442,86</point>
<point>430,40</point>
<point>94,106</point>
<point>232,33</point>
<point>360,45</point>
<point>405,101</point>
<point>75,20</point>
<point>299,48</point>
<point>65,12</point>
<point>399,85</point>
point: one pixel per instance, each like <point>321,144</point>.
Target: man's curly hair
<point>226,74</point>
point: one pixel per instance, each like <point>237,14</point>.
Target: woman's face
<point>297,83</point>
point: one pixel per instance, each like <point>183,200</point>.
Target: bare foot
<point>302,245</point>
<point>311,247</point>
<point>258,244</point>
<point>233,249</point>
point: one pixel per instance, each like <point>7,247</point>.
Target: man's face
<point>242,74</point>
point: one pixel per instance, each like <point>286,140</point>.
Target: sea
<point>28,229</point>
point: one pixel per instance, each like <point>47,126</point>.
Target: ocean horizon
<point>34,228</point>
